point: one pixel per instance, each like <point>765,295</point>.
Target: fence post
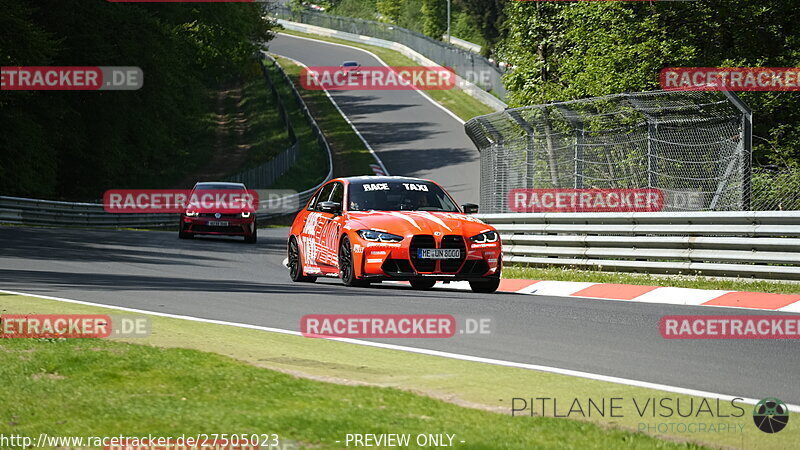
<point>747,147</point>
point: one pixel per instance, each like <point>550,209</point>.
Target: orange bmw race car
<point>369,229</point>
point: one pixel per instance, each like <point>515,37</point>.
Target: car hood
<point>405,223</point>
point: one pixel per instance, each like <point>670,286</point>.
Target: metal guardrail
<point>17,210</point>
<point>744,244</point>
<point>45,212</point>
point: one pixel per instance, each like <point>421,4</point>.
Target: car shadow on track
<point>125,246</point>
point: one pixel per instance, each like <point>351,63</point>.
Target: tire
<point>422,284</point>
<point>485,286</point>
<point>347,271</point>
<point>296,264</point>
<point>253,238</point>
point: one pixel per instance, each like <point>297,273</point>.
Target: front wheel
<point>422,284</point>
<point>182,234</point>
<point>485,286</point>
<point>346,269</point>
<point>253,238</point>
<point>296,264</point>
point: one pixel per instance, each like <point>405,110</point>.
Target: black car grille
<point>452,265</point>
<point>422,241</point>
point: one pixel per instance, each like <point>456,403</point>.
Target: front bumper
<point>235,226</point>
<point>399,262</point>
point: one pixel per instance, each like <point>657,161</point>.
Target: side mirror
<point>330,207</point>
<point>469,208</point>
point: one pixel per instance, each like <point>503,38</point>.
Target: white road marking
<point>422,351</point>
<point>421,92</point>
<point>344,116</point>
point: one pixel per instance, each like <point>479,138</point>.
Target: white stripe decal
<point>404,217</point>
<point>433,218</point>
<point>422,351</point>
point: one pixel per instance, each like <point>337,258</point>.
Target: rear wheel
<point>422,284</point>
<point>485,286</point>
<point>346,269</point>
<point>296,264</point>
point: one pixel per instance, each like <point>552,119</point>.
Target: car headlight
<point>485,237</point>
<point>246,214</point>
<point>379,236</point>
<point>191,213</point>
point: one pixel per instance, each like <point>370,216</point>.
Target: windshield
<point>399,196</point>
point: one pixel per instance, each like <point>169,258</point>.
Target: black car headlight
<point>379,236</point>
<point>485,238</point>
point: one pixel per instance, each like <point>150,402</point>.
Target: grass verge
<point>312,165</point>
<point>350,155</point>
<point>265,133</point>
<point>102,387</point>
<point>682,281</point>
<point>456,100</point>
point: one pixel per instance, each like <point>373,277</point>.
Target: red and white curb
<point>377,169</point>
<point>645,294</point>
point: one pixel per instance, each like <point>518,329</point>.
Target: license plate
<point>439,253</point>
<point>216,223</point>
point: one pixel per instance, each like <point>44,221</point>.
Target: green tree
<point>390,9</point>
<point>565,51</point>
<point>434,16</point>
<point>76,144</point>
<point>488,16</point>
<point>362,9</point>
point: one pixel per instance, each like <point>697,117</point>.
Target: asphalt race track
<point>229,280</point>
<point>412,136</point>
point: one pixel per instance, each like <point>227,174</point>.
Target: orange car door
<point>330,225</point>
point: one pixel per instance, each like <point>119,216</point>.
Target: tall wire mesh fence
<point>470,66</point>
<point>692,147</point>
<point>776,189</point>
